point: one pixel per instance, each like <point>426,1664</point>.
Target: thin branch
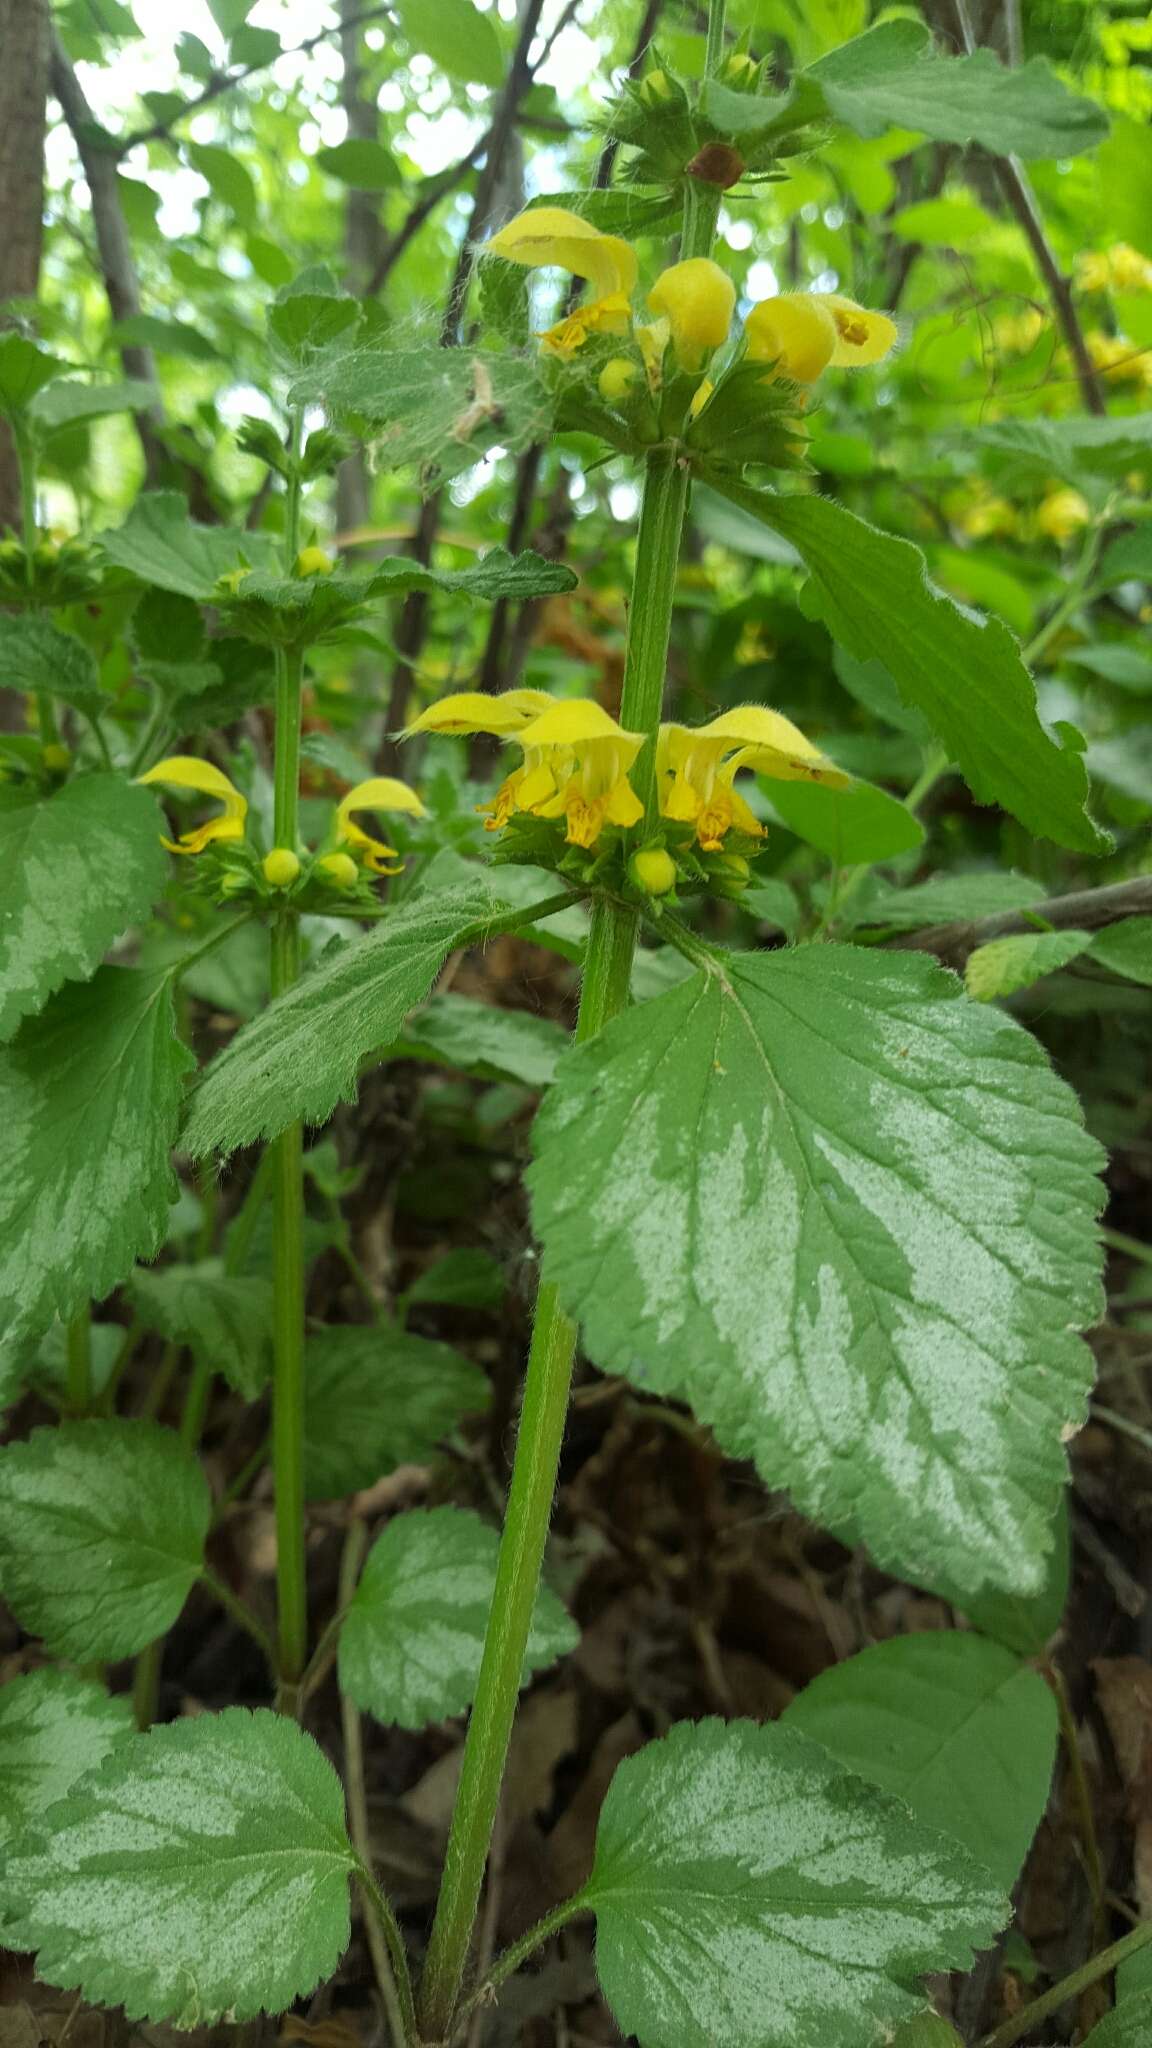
<point>227,81</point>
<point>1017,189</point>
<point>98,158</point>
<point>1087,910</point>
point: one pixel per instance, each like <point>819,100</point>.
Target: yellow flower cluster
<point>1118,359</point>
<point>798,334</point>
<point>576,761</point>
<point>351,848</point>
<point>1118,269</point>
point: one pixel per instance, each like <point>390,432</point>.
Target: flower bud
<point>280,867</point>
<point>698,300</point>
<point>56,758</point>
<point>652,870</point>
<point>313,562</point>
<point>729,875</point>
<point>741,71</point>
<point>340,868</point>
<point>717,164</point>
<point>656,89</point>
<point>617,379</point>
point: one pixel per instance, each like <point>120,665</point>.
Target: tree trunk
<point>25,45</point>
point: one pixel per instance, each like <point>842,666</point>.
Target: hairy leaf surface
<point>90,1092</point>
<point>849,1216</point>
<point>54,1727</point>
<point>411,1645</point>
<point>302,1055</point>
<point>102,1529</point>
<point>225,1319</point>
<point>749,1889</point>
<point>953,1724</point>
<point>963,672</point>
<point>202,1872</point>
<point>378,1397</point>
<point>75,869</point>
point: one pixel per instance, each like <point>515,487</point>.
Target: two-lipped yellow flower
<point>803,333</point>
<point>575,762</point>
<point>552,237</point>
<point>187,771</point>
<point>379,793</point>
<point>696,769</point>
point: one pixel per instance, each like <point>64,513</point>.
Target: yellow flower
<point>801,333</point>
<point>576,762</point>
<point>698,301</point>
<point>1120,268</point>
<point>313,562</point>
<point>1062,513</point>
<point>186,771</point>
<point>1116,358</point>
<point>616,380</point>
<point>1018,332</point>
<point>551,237</point>
<point>379,793</point>
<point>477,711</point>
<point>340,868</point>
<point>700,397</point>
<point>986,513</point>
<point>696,769</point>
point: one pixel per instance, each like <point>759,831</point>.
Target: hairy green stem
<point>377,1904</point>
<point>287,1170</point>
<point>506,1965</point>
<point>1068,1988</point>
<point>607,972</point>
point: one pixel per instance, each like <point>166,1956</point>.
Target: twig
<point>98,156</point>
<point>1070,1987</point>
<point>227,81</point>
<point>1082,1799</point>
<point>1090,910</point>
<point>1017,189</point>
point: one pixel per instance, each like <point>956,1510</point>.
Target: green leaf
<point>365,165</point>
<point>1127,949</point>
<point>771,901</point>
<point>54,1727</point>
<point>848,1215</point>
<point>161,543</point>
<point>229,180</point>
<point>942,223</point>
<point>954,1725</point>
<point>305,324</point>
<point>463,1278</point>
<point>229,15</point>
<point>1128,667</point>
<point>35,655</point>
<point>928,2030</point>
<point>201,1873</point>
<point>1028,1625</point>
<point>740,1872</point>
<point>1071,445</point>
<point>377,1398</point>
<point>1128,559</point>
<point>871,685</point>
<point>965,674</point>
<point>951,899</point>
<point>63,405</point>
<point>859,823</point>
<point>225,1319</point>
<point>432,405</point>
<point>627,210</point>
<point>1004,966</point>
<point>102,1530</point>
<point>891,77</point>
<point>1128,2025</point>
<point>75,869</point>
<point>496,575</point>
<point>496,1045</point>
<point>24,370</point>
<point>302,1055</point>
<point>412,1640</point>
<point>460,41</point>
<point>90,1092</point>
